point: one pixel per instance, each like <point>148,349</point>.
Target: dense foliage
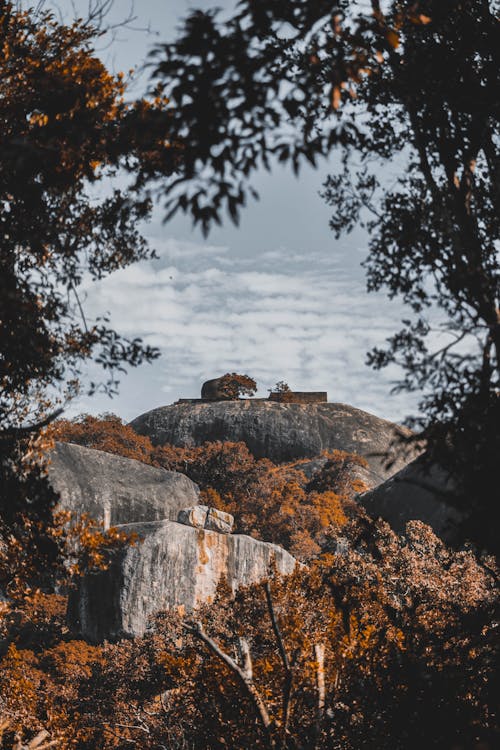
<point>233,385</point>
<point>381,641</point>
<point>65,125</point>
<point>390,642</point>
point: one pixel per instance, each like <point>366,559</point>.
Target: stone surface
<point>218,520</point>
<point>117,490</point>
<point>419,493</point>
<point>212,389</point>
<point>300,397</point>
<point>195,516</point>
<point>203,517</point>
<point>281,432</point>
<point>175,566</point>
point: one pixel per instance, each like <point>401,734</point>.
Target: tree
<point>106,432</point>
<point>65,125</point>
<point>407,630</point>
<point>281,392</point>
<point>412,87</point>
<point>233,385</point>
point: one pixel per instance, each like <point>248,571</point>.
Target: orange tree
<point>104,433</point>
<point>233,385</point>
<point>65,124</point>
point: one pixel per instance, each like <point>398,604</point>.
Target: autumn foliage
<point>233,385</point>
<point>380,641</point>
<point>389,642</point>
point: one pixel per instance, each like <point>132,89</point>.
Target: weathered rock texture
<point>279,431</point>
<point>203,517</point>
<point>116,490</point>
<point>213,389</point>
<point>417,492</point>
<point>175,566</point>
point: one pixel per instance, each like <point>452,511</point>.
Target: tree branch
<point>12,433</point>
<point>245,675</point>
<point>319,657</point>
<point>288,679</point>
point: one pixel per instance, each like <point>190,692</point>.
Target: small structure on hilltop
<point>299,397</point>
<point>234,387</point>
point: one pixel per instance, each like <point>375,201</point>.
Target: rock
<point>195,516</point>
<point>116,490</point>
<point>212,389</point>
<point>219,521</point>
<point>203,517</point>
<point>363,473</point>
<point>279,431</point>
<point>173,567</point>
<point>417,492</point>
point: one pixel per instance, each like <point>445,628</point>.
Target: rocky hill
<point>178,563</point>
<point>421,492</point>
<point>279,431</point>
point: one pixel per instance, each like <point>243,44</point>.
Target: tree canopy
<point>65,125</point>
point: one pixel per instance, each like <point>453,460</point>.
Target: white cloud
<point>275,317</point>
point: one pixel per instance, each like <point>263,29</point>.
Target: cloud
<point>274,316</point>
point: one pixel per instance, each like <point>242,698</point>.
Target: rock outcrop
<point>417,492</point>
<point>279,431</point>
<point>203,517</point>
<point>173,566</point>
<point>116,490</point>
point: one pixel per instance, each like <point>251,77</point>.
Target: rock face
<point>416,493</point>
<point>116,490</point>
<point>279,431</point>
<point>175,566</point>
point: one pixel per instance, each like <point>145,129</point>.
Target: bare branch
<point>319,655</point>
<point>12,433</point>
<point>244,675</point>
<point>288,678</point>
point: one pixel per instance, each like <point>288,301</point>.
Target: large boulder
<point>117,490</point>
<point>279,431</point>
<point>421,491</point>
<point>173,566</point>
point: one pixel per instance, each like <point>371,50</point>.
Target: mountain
<point>279,431</point>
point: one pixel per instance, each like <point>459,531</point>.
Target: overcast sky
<point>277,298</point>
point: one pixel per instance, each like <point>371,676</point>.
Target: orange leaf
<point>393,38</point>
<point>336,97</point>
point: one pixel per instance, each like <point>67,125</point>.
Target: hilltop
<point>280,431</point>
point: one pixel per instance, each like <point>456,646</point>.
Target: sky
<point>277,298</point>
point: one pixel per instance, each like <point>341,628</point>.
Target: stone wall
<point>300,397</point>
<point>292,397</point>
